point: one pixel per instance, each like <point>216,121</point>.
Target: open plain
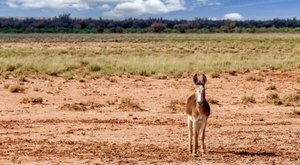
<point>121,99</point>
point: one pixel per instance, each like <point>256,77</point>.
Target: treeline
<point>65,24</point>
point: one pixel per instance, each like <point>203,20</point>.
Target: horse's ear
<point>195,78</point>
<point>204,79</point>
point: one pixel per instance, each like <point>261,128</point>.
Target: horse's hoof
<point>195,154</point>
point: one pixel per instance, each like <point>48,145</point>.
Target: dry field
<point>121,99</point>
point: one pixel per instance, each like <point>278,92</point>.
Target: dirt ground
<point>141,120</point>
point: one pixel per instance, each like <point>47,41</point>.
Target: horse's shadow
<point>246,153</point>
<point>259,153</point>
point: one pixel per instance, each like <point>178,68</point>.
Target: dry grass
<point>111,102</point>
<point>273,98</point>
<point>6,86</point>
<point>82,106</point>
<point>215,75</point>
<point>232,72</point>
<point>287,100</point>
<point>74,107</point>
<point>146,54</point>
<point>291,99</point>
<point>161,76</point>
<point>127,105</point>
<point>296,112</point>
<point>32,100</point>
<point>94,68</point>
<point>213,101</point>
<point>255,78</point>
<point>176,106</point>
<point>23,79</point>
<point>36,89</point>
<point>271,87</point>
<point>248,99</point>
<point>16,88</point>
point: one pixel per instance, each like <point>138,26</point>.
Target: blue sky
<point>171,9</point>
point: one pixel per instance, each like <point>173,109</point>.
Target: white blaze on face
<point>200,92</point>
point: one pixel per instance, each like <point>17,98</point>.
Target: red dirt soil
<point>131,121</point>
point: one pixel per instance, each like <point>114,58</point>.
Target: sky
<point>169,9</point>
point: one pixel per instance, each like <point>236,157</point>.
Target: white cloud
<point>212,18</point>
<point>233,16</point>
<point>208,3</point>
<point>105,7</point>
<point>112,7</point>
<point>139,7</point>
<point>44,4</point>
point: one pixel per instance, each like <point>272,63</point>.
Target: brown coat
<point>192,109</point>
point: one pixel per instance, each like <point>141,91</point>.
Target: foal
<point>198,111</point>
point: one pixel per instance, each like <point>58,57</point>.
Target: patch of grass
<point>94,68</point>
<point>291,99</point>
<point>273,98</point>
<point>36,89</point>
<point>130,106</point>
<point>271,87</point>
<point>32,100</point>
<point>255,78</point>
<point>111,102</point>
<point>296,112</point>
<point>83,63</point>
<point>16,88</point>
<point>73,107</point>
<point>162,76</point>
<point>176,105</point>
<point>5,75</point>
<point>112,79</point>
<point>81,80</point>
<point>215,75</point>
<point>22,78</point>
<point>232,72</point>
<point>213,101</point>
<point>147,54</point>
<point>36,100</point>
<point>10,67</point>
<point>6,86</point>
<point>248,99</point>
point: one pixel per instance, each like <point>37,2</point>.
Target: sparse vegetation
<point>23,79</point>
<point>32,100</point>
<point>215,75</point>
<point>291,99</point>
<point>6,86</point>
<point>36,89</point>
<point>162,76</point>
<point>287,100</point>
<point>255,78</point>
<point>128,105</point>
<point>94,68</point>
<point>213,101</point>
<point>296,112</point>
<point>177,105</point>
<point>273,98</point>
<point>74,107</point>
<point>271,87</point>
<point>232,72</point>
<point>16,88</point>
<point>112,79</point>
<point>119,54</point>
<point>248,99</point>
<point>111,102</point>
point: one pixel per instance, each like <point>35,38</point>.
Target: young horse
<point>198,111</point>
